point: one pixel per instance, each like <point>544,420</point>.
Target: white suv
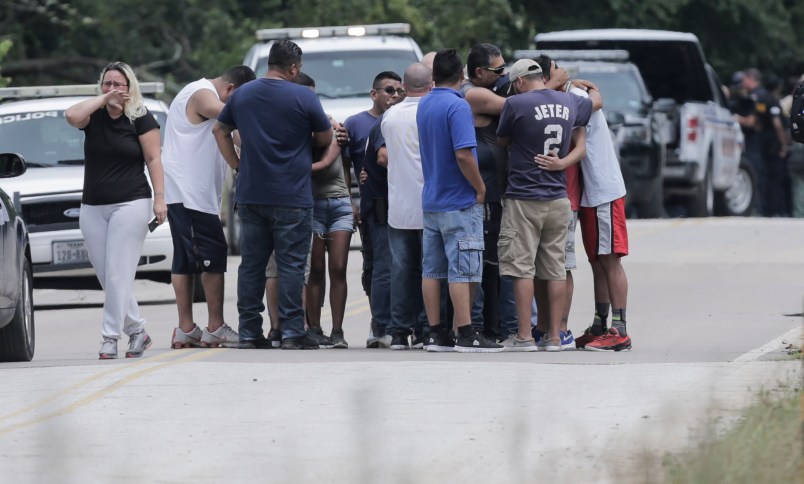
<point>48,195</point>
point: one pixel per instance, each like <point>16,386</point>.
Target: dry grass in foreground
<point>764,447</point>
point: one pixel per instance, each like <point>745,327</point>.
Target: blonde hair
<point>134,107</point>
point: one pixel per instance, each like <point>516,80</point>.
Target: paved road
<point>710,303</point>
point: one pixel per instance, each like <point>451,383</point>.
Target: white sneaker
<point>223,336</point>
<point>185,340</point>
<point>108,349</point>
<point>512,343</point>
<point>547,344</point>
<point>384,341</point>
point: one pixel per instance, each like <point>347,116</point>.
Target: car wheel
<point>738,199</point>
<point>17,339</point>
<point>653,207</point>
<point>702,202</point>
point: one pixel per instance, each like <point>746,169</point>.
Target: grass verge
<point>764,446</point>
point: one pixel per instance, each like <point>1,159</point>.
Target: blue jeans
<point>380,275</point>
<point>453,245</point>
<point>407,305</point>
<point>265,229</point>
<point>506,309</point>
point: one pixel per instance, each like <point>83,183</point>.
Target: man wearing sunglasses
<point>484,67</point>
<point>385,92</point>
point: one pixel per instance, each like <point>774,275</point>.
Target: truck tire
<point>17,338</point>
<point>653,207</point>
<point>738,199</point>
<point>702,201</point>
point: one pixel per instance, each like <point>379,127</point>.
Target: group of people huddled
<point>472,182</point>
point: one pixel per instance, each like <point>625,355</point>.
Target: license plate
<point>675,171</point>
<point>70,252</point>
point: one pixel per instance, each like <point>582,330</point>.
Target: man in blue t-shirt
<point>537,124</point>
<point>452,197</point>
<point>279,122</point>
<point>386,90</point>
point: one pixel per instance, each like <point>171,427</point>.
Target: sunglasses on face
<point>496,70</point>
<point>390,91</point>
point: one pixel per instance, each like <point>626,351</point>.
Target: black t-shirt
<point>376,186</point>
<point>767,109</point>
<point>114,164</point>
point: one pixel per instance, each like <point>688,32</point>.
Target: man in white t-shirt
<point>194,173</point>
<point>405,216</point>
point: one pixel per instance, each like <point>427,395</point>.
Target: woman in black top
<point>122,136</point>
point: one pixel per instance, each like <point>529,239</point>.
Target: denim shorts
<point>452,245</point>
<point>333,215</point>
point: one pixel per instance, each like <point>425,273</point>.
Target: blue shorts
<point>333,215</point>
<point>198,241</point>
<point>452,245</point>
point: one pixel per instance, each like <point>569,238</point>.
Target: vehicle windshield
<point>345,74</point>
<point>44,138</point>
<point>620,90</point>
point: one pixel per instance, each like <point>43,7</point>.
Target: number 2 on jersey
<point>554,141</point>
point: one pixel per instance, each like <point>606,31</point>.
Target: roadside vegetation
<point>69,41</point>
<point>765,446</point>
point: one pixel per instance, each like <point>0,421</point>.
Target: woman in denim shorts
<point>333,225</point>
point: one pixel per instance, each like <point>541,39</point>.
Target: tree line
<point>69,41</point>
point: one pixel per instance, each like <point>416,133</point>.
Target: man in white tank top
<point>194,173</point>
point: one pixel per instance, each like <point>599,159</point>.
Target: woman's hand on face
<point>117,98</point>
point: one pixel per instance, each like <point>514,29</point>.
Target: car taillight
<point>692,129</point>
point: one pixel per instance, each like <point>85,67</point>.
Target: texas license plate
<point>70,252</point>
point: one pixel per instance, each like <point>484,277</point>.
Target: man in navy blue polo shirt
<point>275,118</point>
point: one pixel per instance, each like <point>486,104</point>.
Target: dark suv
<point>637,124</point>
<point>16,283</point>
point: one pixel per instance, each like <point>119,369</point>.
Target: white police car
<point>48,195</point>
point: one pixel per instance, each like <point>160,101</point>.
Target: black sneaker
<point>418,343</point>
<point>338,340</point>
<point>303,342</point>
<point>476,343</point>
<point>254,344</point>
<point>318,335</point>
<point>275,337</point>
<point>399,341</point>
<point>440,341</point>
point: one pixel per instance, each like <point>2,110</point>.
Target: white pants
<point>114,236</point>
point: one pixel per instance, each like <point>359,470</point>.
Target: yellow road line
<point>83,382</point>
<point>105,391</point>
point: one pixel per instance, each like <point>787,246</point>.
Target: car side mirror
<point>665,105</point>
<point>615,118</point>
<point>11,165</point>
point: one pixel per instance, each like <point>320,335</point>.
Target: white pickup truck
<point>704,152</point>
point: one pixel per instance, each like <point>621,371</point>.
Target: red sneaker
<point>611,341</point>
<point>587,337</point>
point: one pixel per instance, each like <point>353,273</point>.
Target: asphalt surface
<point>711,304</point>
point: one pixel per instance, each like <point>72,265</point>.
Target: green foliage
<point>766,446</point>
<point>5,46</point>
<point>65,41</point>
